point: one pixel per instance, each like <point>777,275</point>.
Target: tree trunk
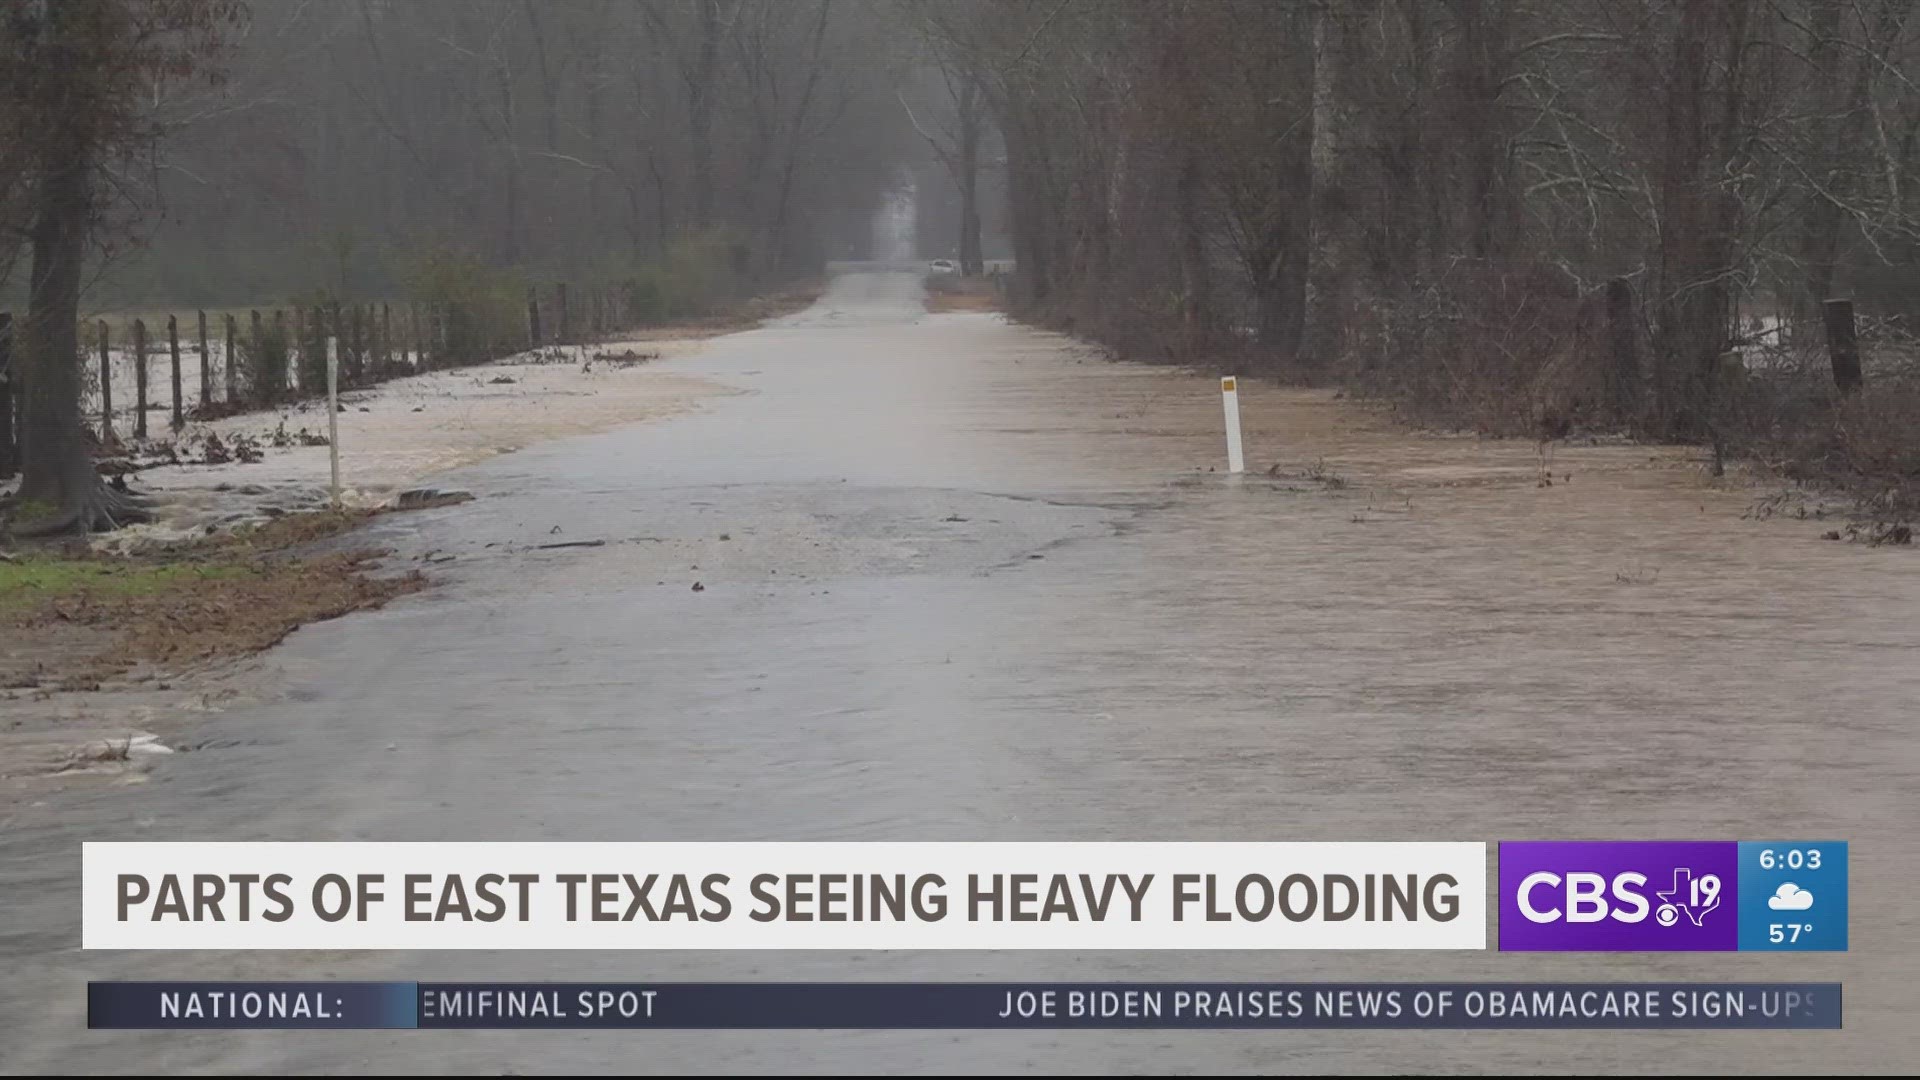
<point>972,257</point>
<point>1330,249</point>
<point>511,252</point>
<point>56,459</point>
<point>1821,224</point>
<point>1321,325</point>
<point>7,465</point>
<point>549,96</point>
<point>1028,201</point>
<point>972,262</point>
<point>1697,222</point>
<point>1483,73</point>
<point>700,114</point>
<point>1279,260</point>
<point>1196,282</point>
<point>1824,223</point>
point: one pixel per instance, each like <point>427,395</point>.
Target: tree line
<point>1524,214</point>
<point>246,152</point>
<point>561,137</point>
<point>1520,215</point>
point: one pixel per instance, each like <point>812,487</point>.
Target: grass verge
<point>70,620</point>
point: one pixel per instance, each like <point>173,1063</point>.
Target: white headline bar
<point>855,896</point>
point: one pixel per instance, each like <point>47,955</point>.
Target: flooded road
<point>960,580</point>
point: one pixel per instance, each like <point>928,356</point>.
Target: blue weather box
<point>1793,896</point>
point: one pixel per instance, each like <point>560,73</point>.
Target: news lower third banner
<point>1550,896</point>
<point>963,1006</point>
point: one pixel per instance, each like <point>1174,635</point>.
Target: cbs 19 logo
<point>1587,897</point>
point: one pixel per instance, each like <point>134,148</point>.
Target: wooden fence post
<point>300,354</point>
<point>453,331</point>
<point>370,337</point>
<point>173,354</point>
<point>231,366</point>
<point>387,363</point>
<point>206,366</point>
<point>561,338</point>
<point>254,388</point>
<point>350,342</point>
<point>284,377</point>
<point>318,345</point>
<point>533,317</point>
<point>106,388</point>
<point>1843,348</point>
<point>419,346</point>
<point>323,348</point>
<point>139,379</point>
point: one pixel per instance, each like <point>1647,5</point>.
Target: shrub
<point>701,271</point>
<point>481,312</point>
<point>312,332</point>
<point>647,295</point>
<point>263,362</point>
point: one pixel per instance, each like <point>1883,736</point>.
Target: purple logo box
<point>1619,896</point>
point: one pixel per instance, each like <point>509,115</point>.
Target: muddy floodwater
<point>961,580</point>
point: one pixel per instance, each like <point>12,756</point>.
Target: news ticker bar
<point>963,1006</point>
<point>1578,896</point>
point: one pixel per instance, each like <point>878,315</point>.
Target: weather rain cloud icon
<point>1790,897</point>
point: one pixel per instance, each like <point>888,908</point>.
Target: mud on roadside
<point>734,317</point>
<point>949,292</point>
<point>98,650</point>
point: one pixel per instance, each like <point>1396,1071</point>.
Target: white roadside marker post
<point>333,420</point>
<point>1230,401</point>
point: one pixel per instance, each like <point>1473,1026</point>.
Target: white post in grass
<point>1230,401</point>
<point>333,420</point>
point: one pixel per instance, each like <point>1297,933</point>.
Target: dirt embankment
<point>92,642</point>
<point>237,593</point>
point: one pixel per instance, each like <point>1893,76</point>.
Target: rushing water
<point>975,584</point>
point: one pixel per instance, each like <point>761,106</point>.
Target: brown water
<point>1397,638</point>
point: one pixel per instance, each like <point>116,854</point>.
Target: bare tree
<point>79,79</point>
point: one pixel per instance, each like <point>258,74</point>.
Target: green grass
<point>30,578</point>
